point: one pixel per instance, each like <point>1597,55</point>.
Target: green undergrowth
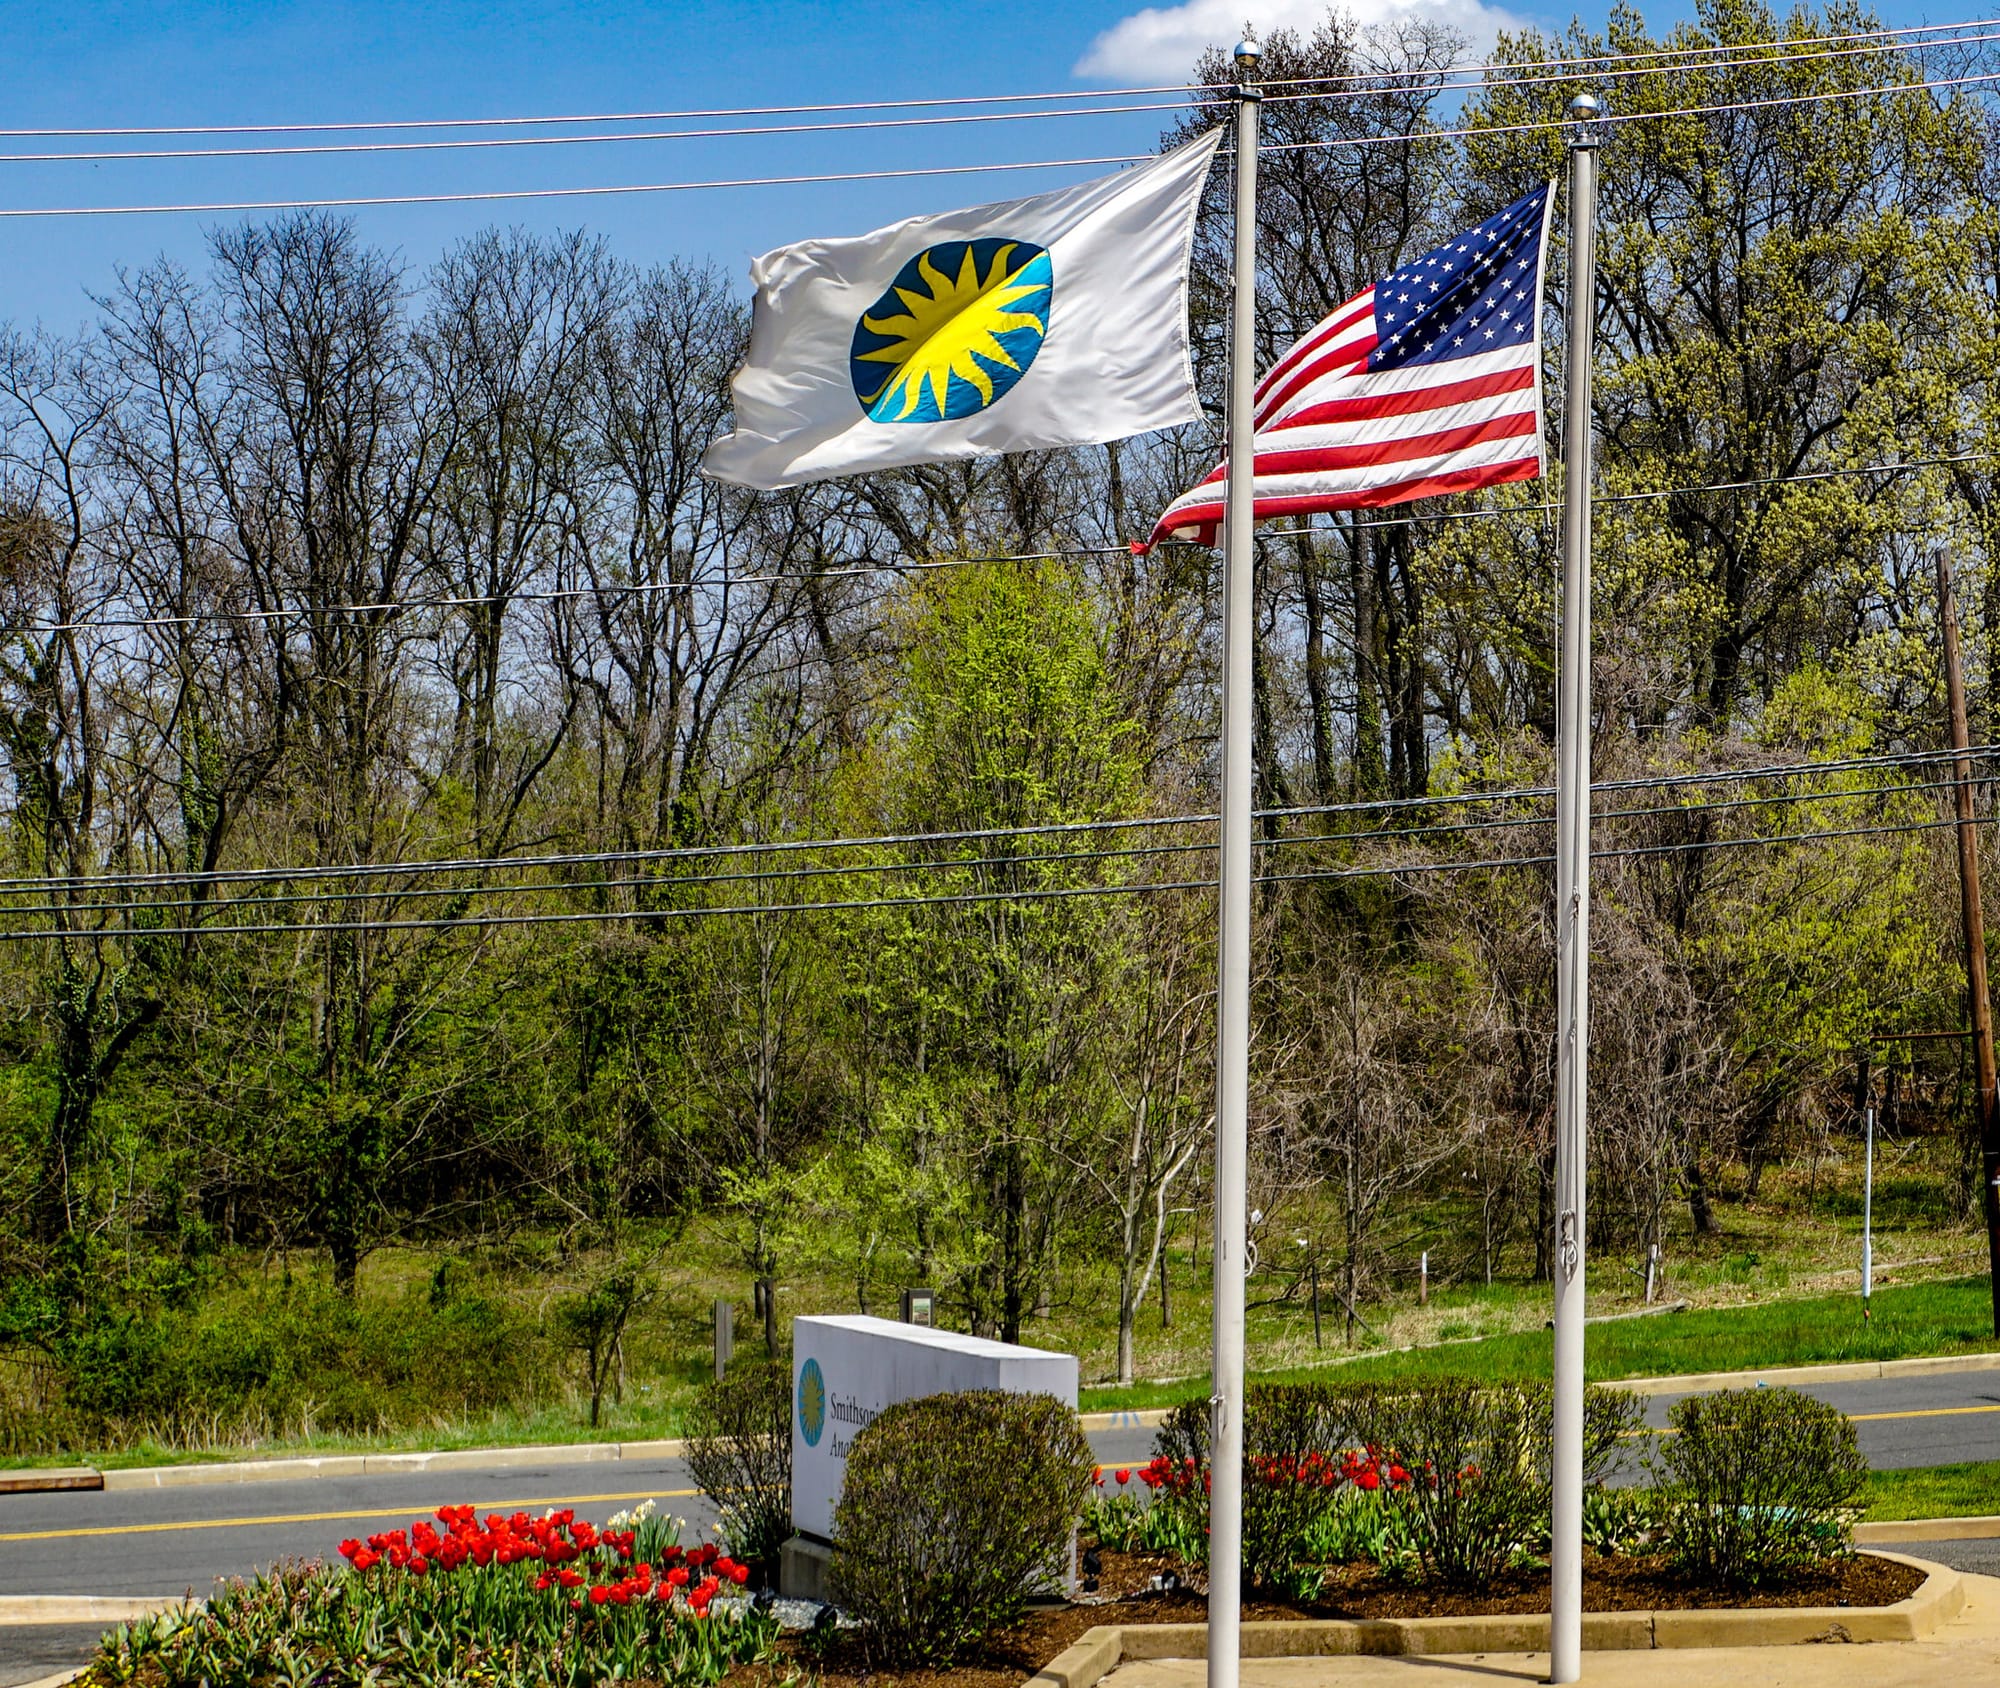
<point>1948,1317</point>
<point>1971,1490</point>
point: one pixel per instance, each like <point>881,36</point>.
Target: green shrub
<point>1177,1519</point>
<point>263,1360</point>
<point>1469,1465</point>
<point>739,1450</point>
<point>1757,1484</point>
<point>954,1509</point>
<point>1291,1482</point>
<point>1495,1440</point>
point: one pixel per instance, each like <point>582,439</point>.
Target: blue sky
<point>89,64</point>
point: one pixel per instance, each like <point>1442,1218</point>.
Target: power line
<point>1621,119</point>
<point>913,565</point>
<point>1037,861</point>
<point>1582,62</point>
<point>925,840</point>
<point>497,195</point>
<point>1393,83</point>
<point>1603,855</point>
<point>1036,894</point>
<point>1679,51</point>
<point>1484,81</point>
<point>683,116</point>
<point>1544,506</point>
<point>488,143</point>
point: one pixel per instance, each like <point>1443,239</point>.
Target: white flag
<point>1050,321</point>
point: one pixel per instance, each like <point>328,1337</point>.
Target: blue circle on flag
<point>812,1402</point>
<point>957,328</point>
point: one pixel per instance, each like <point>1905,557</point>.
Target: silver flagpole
<point>1232,1011</point>
<point>1573,911</point>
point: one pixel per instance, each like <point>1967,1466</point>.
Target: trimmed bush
<point>1468,1466</point>
<point>1178,1477</point>
<point>739,1450</point>
<point>954,1510</point>
<point>1309,1447</point>
<point>1757,1485</point>
<point>1292,1479</point>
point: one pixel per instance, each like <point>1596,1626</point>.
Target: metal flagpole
<point>1232,1012</point>
<point>1573,912</point>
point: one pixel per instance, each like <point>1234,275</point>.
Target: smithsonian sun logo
<point>812,1402</point>
<point>958,327</point>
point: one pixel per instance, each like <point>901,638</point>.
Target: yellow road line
<point>1852,1418</point>
<point>330,1517</point>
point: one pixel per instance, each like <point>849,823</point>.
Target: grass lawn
<point>1947,1317</point>
<point>1936,1491</point>
<point>550,1426</point>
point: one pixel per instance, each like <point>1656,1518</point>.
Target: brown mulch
<point>1621,1584</point>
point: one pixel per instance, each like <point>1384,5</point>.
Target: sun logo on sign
<point>812,1402</point>
<point>958,327</point>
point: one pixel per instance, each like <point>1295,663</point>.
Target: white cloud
<point>1161,43</point>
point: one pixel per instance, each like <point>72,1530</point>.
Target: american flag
<point>1428,382</point>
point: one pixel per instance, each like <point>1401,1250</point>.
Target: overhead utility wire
<point>692,852</point>
<point>487,143</point>
<point>1620,119</point>
<point>1040,894</point>
<point>1485,83</point>
<point>1038,861</point>
<point>1545,506</point>
<point>912,565</point>
<point>367,124</point>
<point>1583,63</point>
<point>1494,77</point>
<point>1595,855</point>
<point>684,116</point>
<point>496,195</point>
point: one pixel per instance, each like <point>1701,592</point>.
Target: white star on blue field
<point>1473,294</point>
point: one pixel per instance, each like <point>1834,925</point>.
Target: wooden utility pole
<point>1978,1001</point>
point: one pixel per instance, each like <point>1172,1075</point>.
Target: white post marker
<point>1232,1010</point>
<point>1868,1222</point>
<point>1573,912</point>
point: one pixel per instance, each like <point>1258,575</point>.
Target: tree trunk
<point>1370,775</point>
<point>1318,690</point>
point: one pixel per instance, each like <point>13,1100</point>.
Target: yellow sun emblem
<point>958,327</point>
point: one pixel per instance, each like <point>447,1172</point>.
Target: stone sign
<point>846,1369</point>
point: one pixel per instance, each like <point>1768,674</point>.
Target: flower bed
<point>507,1601</point>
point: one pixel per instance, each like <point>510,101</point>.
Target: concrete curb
<point>1100,1651</point>
<point>1860,1371</point>
<point>385,1465</point>
<point>86,1608</point>
<point>61,1679</point>
<point>1890,1531</point>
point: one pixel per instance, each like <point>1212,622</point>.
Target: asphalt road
<point>174,1541</point>
<point>1900,1422</point>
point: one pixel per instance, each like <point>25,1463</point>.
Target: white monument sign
<point>846,1369</point>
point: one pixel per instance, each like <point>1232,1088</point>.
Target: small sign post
<point>725,1337</point>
